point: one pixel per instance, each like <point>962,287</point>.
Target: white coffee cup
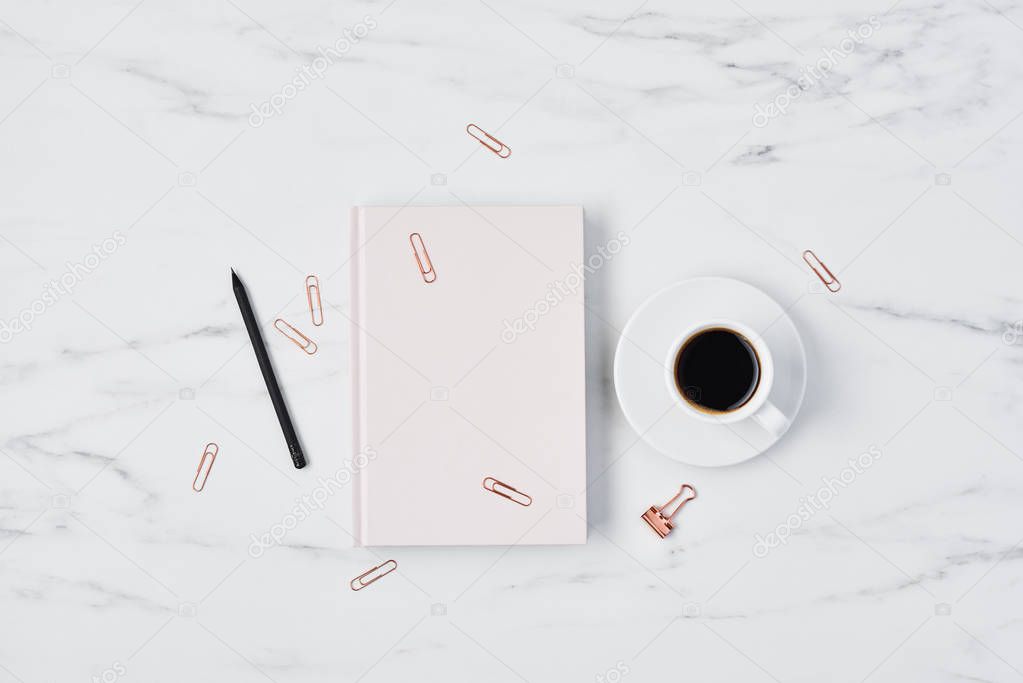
<point>757,407</point>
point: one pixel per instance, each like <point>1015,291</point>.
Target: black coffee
<point>717,370</point>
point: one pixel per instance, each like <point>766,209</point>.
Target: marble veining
<point>135,120</point>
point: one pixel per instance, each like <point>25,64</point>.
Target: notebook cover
<point>480,373</point>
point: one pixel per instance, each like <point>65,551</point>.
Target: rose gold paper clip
<point>360,582</point>
<point>312,287</point>
<point>489,141</point>
<point>517,497</point>
<point>660,523</point>
<point>297,338</point>
<point>822,271</point>
<point>422,258</point>
<point>210,451</point>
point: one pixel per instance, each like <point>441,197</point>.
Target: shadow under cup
<point>717,370</point>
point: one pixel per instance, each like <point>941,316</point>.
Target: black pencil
<point>269,377</point>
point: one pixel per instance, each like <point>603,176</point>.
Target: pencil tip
<point>234,277</point>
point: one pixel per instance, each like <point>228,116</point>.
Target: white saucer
<point>646,341</point>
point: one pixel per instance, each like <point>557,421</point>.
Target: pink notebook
<point>468,365</point>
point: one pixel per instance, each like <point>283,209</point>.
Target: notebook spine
<point>356,364</point>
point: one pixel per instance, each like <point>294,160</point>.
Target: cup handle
<point>771,419</point>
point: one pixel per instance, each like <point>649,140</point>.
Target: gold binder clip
<point>210,451</point>
<point>489,141</point>
<point>822,271</point>
<point>312,286</point>
<point>518,496</point>
<point>297,338</point>
<point>359,582</point>
<point>660,523</point>
<point>422,258</point>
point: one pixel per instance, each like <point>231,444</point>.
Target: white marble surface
<point>130,121</point>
